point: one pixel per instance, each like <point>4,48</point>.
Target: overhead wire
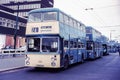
<point>98,18</point>
<point>108,26</point>
<point>89,13</point>
<point>117,5</point>
<point>94,14</point>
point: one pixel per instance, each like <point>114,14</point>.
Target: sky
<point>103,15</point>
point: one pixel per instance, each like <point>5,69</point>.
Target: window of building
<point>10,23</point>
<point>4,22</point>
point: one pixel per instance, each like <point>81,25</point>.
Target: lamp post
<point>118,38</point>
<point>89,9</point>
<point>111,34</point>
<point>16,27</point>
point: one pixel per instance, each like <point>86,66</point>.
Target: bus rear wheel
<point>82,58</point>
<point>66,63</point>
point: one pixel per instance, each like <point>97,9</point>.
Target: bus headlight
<point>53,58</point>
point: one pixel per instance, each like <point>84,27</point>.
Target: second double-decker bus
<point>105,45</point>
<point>93,43</point>
<point>54,39</point>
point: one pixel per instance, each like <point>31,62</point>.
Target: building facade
<point>26,5</point>
<point>8,27</point>
<point>8,11</point>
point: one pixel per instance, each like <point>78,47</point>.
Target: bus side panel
<point>79,55</point>
<point>73,56</point>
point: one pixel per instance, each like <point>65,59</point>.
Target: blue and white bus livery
<point>93,43</point>
<point>54,39</point>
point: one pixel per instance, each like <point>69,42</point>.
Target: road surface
<point>105,68</point>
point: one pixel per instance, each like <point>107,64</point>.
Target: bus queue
<point>57,40</point>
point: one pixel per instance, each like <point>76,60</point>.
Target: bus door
<point>73,52</point>
<point>104,46</point>
<point>81,51</point>
<point>90,48</point>
<point>96,52</point>
<point>100,52</point>
<point>62,51</point>
<point>66,51</point>
<point>80,55</point>
<point>97,49</point>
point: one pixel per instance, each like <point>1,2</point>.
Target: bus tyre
<point>66,63</point>
<point>95,55</point>
<point>82,58</point>
<point>101,54</point>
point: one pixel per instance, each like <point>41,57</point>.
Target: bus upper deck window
<point>49,16</point>
<point>35,17</point>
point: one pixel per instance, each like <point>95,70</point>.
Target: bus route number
<point>35,29</point>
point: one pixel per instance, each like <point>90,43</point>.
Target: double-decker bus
<point>93,43</point>
<point>105,45</point>
<point>54,39</point>
<point>113,46</point>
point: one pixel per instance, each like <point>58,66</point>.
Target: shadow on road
<point>57,70</point>
<point>48,70</point>
<point>51,70</point>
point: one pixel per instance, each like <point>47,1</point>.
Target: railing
<point>12,53</point>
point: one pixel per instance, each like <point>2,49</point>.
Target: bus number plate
<point>40,65</point>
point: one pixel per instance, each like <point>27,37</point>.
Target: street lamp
<point>118,38</point>
<point>111,34</point>
<point>16,27</point>
<point>89,9</point>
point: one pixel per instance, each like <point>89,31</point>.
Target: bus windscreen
<point>49,44</point>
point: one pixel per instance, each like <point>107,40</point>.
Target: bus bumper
<point>43,60</point>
